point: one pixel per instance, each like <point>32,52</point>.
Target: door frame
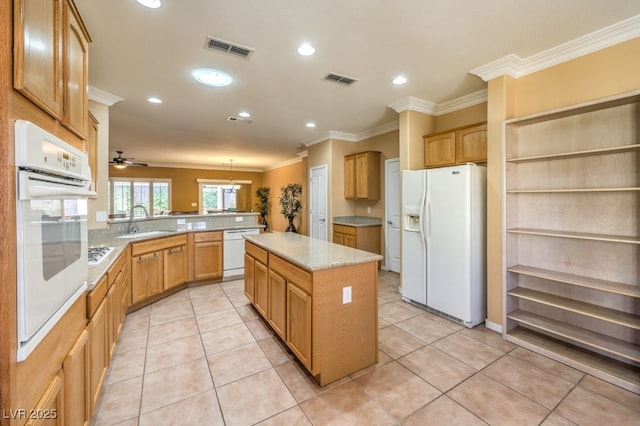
<point>324,167</point>
<point>386,211</point>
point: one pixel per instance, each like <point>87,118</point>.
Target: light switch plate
<point>346,295</point>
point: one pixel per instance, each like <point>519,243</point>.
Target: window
<point>152,194</point>
<point>217,197</point>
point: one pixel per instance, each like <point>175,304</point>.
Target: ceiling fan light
<point>120,166</point>
<point>212,77</point>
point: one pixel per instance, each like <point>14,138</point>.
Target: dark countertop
<point>357,221</point>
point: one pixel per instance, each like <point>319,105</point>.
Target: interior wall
<point>185,189</point>
<point>604,73</point>
<point>462,117</point>
<point>277,178</point>
<point>101,203</point>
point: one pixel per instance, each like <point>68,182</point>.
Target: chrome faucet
<point>134,228</point>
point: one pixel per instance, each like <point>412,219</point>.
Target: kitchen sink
<point>143,234</point>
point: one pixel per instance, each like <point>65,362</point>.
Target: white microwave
<point>51,219</point>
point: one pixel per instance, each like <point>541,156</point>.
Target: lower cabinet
<point>98,358</point>
<point>206,249</point>
<point>50,408</point>
<point>249,277</point>
<point>261,274</point>
<point>146,275</point>
<point>175,266</point>
<point>77,408</point>
<point>299,323</point>
<point>277,309</point>
<point>367,238</point>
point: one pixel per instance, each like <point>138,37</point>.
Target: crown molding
<point>514,66</point>
<point>284,163</point>
<point>102,97</point>
<point>462,102</point>
<point>380,130</point>
<point>343,136</point>
<point>413,104</point>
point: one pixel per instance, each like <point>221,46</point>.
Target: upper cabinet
<point>457,146</point>
<point>362,176</point>
<point>51,60</point>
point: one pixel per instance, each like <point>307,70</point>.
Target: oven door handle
<point>44,191</point>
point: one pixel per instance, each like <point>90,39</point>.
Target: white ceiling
<point>138,52</point>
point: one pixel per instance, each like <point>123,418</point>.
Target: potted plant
<point>264,205</point>
<point>290,203</point>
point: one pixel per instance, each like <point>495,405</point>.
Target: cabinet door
<point>350,177</point>
<point>249,277</point>
<point>350,241</point>
<point>175,267</point>
<point>338,238</point>
<point>76,72</point>
<point>50,408</point>
<point>277,312</point>
<point>125,290</point>
<point>76,392</point>
<point>261,296</point>
<point>92,151</point>
<point>146,276</point>
<point>98,361</point>
<point>207,260</point>
<point>368,176</point>
<point>299,324</point>
<point>38,53</point>
<point>440,150</point>
<point>113,317</point>
<point>471,145</point>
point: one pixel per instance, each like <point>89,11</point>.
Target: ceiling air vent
<point>343,79</point>
<point>227,47</point>
<point>240,120</point>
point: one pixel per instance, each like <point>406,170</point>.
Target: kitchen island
<point>320,298</point>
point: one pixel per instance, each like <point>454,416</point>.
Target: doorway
<point>318,202</point>
<point>392,213</point>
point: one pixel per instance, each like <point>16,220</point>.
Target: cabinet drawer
<point>292,273</point>
<point>95,297</point>
<point>117,267</point>
<point>158,244</point>
<point>343,229</point>
<point>256,252</point>
<point>200,237</point>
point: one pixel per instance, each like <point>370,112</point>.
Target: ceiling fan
<point>121,162</point>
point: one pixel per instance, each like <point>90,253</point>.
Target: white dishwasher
<point>233,252</point>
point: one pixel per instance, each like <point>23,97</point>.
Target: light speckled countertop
<point>357,221</point>
<point>310,253</point>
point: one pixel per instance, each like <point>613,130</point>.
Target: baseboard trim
<point>493,326</point>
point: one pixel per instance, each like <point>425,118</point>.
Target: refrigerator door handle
<point>428,218</point>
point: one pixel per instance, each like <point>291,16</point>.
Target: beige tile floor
<point>203,357</point>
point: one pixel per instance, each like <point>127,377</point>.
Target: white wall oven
<point>53,179</point>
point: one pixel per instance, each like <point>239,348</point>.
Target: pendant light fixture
<point>231,185</point>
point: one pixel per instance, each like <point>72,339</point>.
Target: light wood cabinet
<point>38,66</point>
<point>175,266</point>
<point>277,309</point>
<point>457,146</point>
<point>206,249</point>
<point>249,277</point>
<point>75,51</point>
<point>97,330</point>
<point>261,301</point>
<point>367,238</point>
<point>146,275</point>
<point>51,60</point>
<point>113,318</point>
<point>50,408</point>
<point>572,236</point>
<point>362,176</point>
<point>76,390</point>
<point>299,306</point>
<point>91,148</point>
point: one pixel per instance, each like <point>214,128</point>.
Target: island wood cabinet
<point>256,277</point>
<point>206,249</point>
<point>362,176</point>
<point>53,73</point>
<point>330,337</point>
<point>572,236</point>
<point>457,146</point>
<point>367,238</point>
<point>149,274</point>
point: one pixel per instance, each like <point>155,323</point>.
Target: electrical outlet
<point>346,295</point>
<point>369,210</point>
<point>182,221</point>
<point>239,218</point>
<point>194,204</point>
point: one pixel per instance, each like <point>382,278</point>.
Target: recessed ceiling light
<point>401,79</point>
<point>155,100</point>
<point>310,124</point>
<point>244,114</point>
<point>153,4</point>
<point>306,49</point>
<point>212,77</point>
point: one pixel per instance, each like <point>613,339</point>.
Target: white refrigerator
<point>444,241</point>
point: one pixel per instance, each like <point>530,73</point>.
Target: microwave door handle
<point>44,191</point>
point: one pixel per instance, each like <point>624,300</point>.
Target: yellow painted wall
<point>277,178</point>
<point>608,72</point>
<point>184,188</point>
<point>463,117</point>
